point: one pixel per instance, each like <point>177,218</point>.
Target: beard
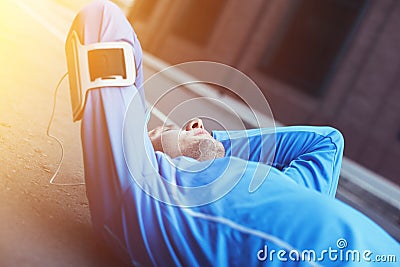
<point>204,149</point>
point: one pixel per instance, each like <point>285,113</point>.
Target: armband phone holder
<point>107,64</point>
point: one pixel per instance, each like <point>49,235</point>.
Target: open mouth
<point>201,132</point>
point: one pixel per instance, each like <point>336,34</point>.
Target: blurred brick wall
<point>361,98</point>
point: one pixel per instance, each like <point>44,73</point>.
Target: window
<point>197,19</point>
<point>311,42</point>
<point>143,9</point>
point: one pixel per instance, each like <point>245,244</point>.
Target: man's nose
<point>194,124</point>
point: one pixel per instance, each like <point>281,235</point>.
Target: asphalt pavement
<point>43,224</point>
<point>40,224</point>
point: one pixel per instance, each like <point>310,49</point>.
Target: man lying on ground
<point>293,213</point>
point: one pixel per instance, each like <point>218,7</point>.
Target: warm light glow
<point>32,35</point>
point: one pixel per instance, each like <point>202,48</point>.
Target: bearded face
<point>191,141</point>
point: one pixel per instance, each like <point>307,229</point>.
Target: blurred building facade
<point>330,62</point>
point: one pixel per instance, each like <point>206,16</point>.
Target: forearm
<point>309,155</point>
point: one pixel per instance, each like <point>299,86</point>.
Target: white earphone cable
<point>56,139</point>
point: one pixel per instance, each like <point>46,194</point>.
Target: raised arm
<point>106,173</point>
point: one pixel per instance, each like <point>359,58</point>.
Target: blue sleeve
<point>309,155</point>
<point>148,232</point>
